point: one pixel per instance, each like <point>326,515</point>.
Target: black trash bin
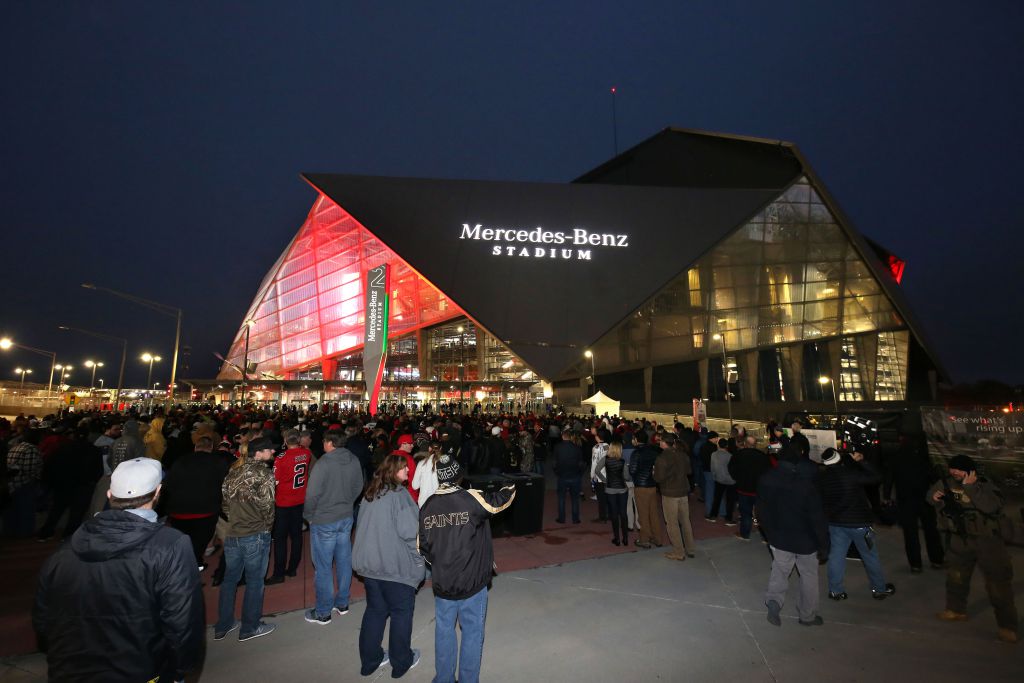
<point>526,514</point>
<point>488,483</point>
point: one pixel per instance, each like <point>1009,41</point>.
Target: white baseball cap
<point>136,477</point>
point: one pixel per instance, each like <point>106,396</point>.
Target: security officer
<point>969,507</point>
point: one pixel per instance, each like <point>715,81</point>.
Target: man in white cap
<point>122,600</point>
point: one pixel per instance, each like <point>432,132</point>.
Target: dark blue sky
<point>156,147</point>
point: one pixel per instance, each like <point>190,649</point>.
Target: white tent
<point>602,404</point>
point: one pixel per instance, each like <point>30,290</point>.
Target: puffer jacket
<point>121,602</point>
<point>641,466</point>
<point>842,492</point>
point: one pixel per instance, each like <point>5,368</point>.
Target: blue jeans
<point>331,544</point>
<point>251,555</point>
<point>841,537</point>
<point>709,494</point>
<point>746,514</point>
<point>387,599</point>
<point>471,614</point>
<point>572,486</point>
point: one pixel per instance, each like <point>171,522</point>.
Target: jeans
<point>841,538</point>
<point>287,525</point>
<point>697,476</point>
<point>746,514</point>
<point>709,491</point>
<point>570,485</point>
<point>331,544</point>
<point>728,492</point>
<point>617,513</point>
<point>248,554</point>
<point>471,614</point>
<point>386,599</point>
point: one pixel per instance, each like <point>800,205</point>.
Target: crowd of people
<point>147,499</point>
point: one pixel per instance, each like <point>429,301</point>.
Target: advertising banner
<point>375,334</point>
<point>994,439</point>
<point>700,414</point>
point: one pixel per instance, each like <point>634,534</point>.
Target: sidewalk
<point>635,616</point>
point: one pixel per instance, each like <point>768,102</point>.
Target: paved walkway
<point>635,616</point>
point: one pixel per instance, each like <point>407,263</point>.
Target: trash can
<point>488,483</point>
<point>526,514</point>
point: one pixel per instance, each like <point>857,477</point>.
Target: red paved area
<point>555,544</point>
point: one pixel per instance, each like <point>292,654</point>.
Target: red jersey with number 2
<point>291,472</point>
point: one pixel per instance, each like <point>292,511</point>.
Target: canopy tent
<point>602,404</point>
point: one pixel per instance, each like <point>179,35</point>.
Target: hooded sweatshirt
<point>128,447</point>
<point>154,440</point>
<point>121,602</point>
<point>334,485</point>
<point>386,536</point>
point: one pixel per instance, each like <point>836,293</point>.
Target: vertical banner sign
<point>700,414</point>
<point>375,335</point>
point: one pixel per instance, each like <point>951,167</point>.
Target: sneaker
<point>916,570</point>
<point>263,629</point>
<point>741,536</point>
<point>340,610</point>
<point>384,662</point>
<point>890,589</point>
<point>774,608</point>
<point>273,580</point>
<point>711,519</point>
<point>415,659</point>
<point>675,556</point>
<point>615,541</point>
<point>691,555</point>
<point>938,565</point>
<point>219,635</point>
<point>1007,635</point>
<point>729,522</point>
<point>837,596</point>
<point>314,618</point>
<point>816,621</point>
<point>950,615</point>
<point>645,546</point>
<point>202,567</point>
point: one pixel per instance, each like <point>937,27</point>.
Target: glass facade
<point>788,276</point>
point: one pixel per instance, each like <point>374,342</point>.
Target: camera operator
<point>969,507</point>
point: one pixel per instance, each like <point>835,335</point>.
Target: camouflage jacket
<point>248,499</point>
<point>974,510</point>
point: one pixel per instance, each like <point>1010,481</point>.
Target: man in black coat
<point>746,467</point>
<point>121,601</point>
<point>793,522</point>
<point>568,465</point>
<point>192,495</point>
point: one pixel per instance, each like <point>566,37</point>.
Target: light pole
<point>835,402</point>
<point>249,324</point>
<point>124,356</point>
<point>64,370</point>
<point>161,308</point>
<point>7,343</point>
<point>150,358</point>
<point>100,380</point>
<point>593,372</point>
<point>22,372</point>
<point>462,364</point>
<point>725,377</point>
<point>93,365</point>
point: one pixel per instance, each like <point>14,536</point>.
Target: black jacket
<point>746,467</point>
<point>706,449</point>
<point>455,538</point>
<point>568,460</point>
<point>120,602</point>
<point>801,444</point>
<point>790,511</point>
<point>193,485</point>
<point>641,466</point>
<point>842,491</point>
<point>616,473</point>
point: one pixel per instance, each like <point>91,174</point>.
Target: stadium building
<point>690,263</point>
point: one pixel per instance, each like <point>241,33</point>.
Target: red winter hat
<point>405,438</point>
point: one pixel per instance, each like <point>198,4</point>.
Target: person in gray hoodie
<point>128,447</point>
<point>334,485</point>
<point>386,556</point>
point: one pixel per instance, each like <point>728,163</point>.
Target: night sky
<point>155,148</point>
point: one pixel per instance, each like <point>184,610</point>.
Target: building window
<point>850,388</point>
<point>891,368</point>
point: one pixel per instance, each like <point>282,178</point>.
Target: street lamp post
<point>150,358</point>
<point>64,370</point>
<point>835,401</point>
<point>7,343</point>
<point>462,364</point>
<point>249,324</point>
<point>593,372</point>
<point>124,357</point>
<point>93,365</point>
<point>725,377</point>
<point>156,306</point>
<point>22,372</point>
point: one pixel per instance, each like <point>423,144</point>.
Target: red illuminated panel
<point>896,266</point>
<point>310,305</point>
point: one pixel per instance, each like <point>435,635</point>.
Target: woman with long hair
<point>616,490</point>
<point>385,555</point>
<point>425,479</point>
